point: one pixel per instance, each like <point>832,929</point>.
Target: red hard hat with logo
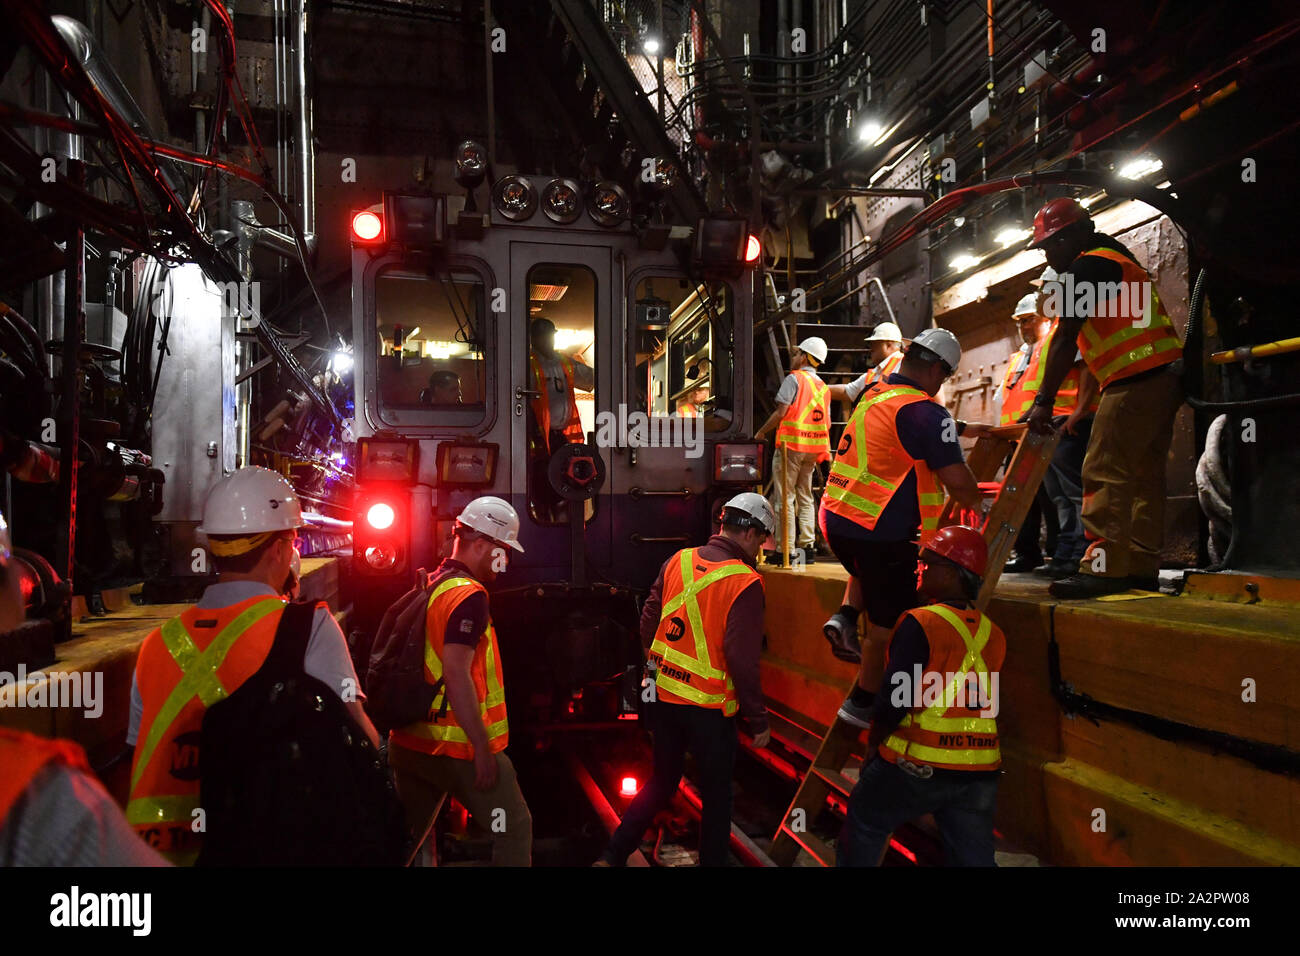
<point>1055,216</point>
<point>962,545</point>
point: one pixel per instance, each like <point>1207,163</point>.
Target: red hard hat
<point>1055,216</point>
<point>961,545</point>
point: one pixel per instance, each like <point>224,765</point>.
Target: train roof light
<point>753,249</point>
<point>471,164</point>
<point>515,198</point>
<point>367,227</point>
<point>387,459</point>
<point>722,248</point>
<point>561,200</point>
<point>415,222</point>
<point>466,463</point>
<point>608,205</point>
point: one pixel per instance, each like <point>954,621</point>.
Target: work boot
<point>809,555</point>
<point>1056,569</point>
<point>842,633</point>
<point>1021,564</point>
<point>1078,586</point>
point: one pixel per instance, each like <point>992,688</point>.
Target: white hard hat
<point>253,499</point>
<point>756,506</point>
<point>815,347</point>
<point>1049,275</point>
<point>942,343</point>
<point>885,332</point>
<point>495,518</point>
<point>1028,305</point>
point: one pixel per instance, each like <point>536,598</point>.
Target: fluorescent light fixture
<point>962,262</point>
<point>1087,201</point>
<point>1009,237</point>
<point>413,333</point>
<point>1141,167</point>
<point>650,45</point>
<point>341,362</point>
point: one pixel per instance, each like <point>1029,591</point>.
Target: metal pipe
<point>306,150</point>
<point>322,521</point>
<point>69,420</point>
<point>1246,352</point>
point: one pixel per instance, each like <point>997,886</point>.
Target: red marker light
<point>380,516</point>
<point>367,226</point>
<point>629,787</point>
<point>753,249</point>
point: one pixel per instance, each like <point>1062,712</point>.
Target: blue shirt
<point>926,435</point>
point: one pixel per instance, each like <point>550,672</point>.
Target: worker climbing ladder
<point>1030,454</point>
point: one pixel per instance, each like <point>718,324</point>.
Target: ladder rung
<point>837,780</point>
<point>820,851</point>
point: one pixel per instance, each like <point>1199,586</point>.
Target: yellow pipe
<point>1255,351</point>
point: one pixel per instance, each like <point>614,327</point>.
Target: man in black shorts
<point>884,492</point>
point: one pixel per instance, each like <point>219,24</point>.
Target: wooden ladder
<point>1030,454</point>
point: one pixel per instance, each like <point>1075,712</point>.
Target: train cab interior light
<point>465,464</point>
<point>515,198</point>
<point>386,459</point>
<point>738,462</point>
<point>367,227</point>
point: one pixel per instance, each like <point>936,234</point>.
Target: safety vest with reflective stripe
<point>949,729</point>
<point>442,734</point>
<point>687,410</point>
<point>1117,346</point>
<point>871,462</point>
<point>807,423</point>
<point>185,667</point>
<point>1067,395</point>
<point>886,366</point>
<point>572,426</point>
<point>23,756</point>
<point>688,646</point>
<point>1016,398</point>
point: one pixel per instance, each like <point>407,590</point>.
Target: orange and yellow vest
<point>442,734</point>
<point>871,462</point>
<point>24,755</point>
<point>572,426</point>
<point>949,731</point>
<point>1119,346</point>
<point>185,667</point>
<point>807,423</point>
<point>1016,398</point>
<point>687,647</point>
<point>887,366</point>
<point>1067,395</point>
<point>687,410</point>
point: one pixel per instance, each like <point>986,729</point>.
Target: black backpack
<point>288,778</point>
<point>396,692</point>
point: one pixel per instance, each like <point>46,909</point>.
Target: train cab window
<point>561,376</point>
<point>430,349</point>
<point>683,354</point>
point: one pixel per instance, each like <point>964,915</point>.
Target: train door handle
<point>522,393</point>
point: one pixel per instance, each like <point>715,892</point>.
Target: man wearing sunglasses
<point>933,741</point>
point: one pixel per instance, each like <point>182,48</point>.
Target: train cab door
<point>560,304</point>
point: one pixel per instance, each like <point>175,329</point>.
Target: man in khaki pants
<point>459,749</point>
<point>802,420</point>
<point>1106,303</point>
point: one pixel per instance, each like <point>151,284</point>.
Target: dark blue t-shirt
<point>922,429</point>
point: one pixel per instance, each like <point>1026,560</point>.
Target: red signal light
<point>380,516</point>
<point>753,249</point>
<point>629,787</point>
<point>367,226</point>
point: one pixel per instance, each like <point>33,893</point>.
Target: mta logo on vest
<point>817,415</point>
<point>676,629</point>
<point>185,756</point>
<point>845,441</point>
